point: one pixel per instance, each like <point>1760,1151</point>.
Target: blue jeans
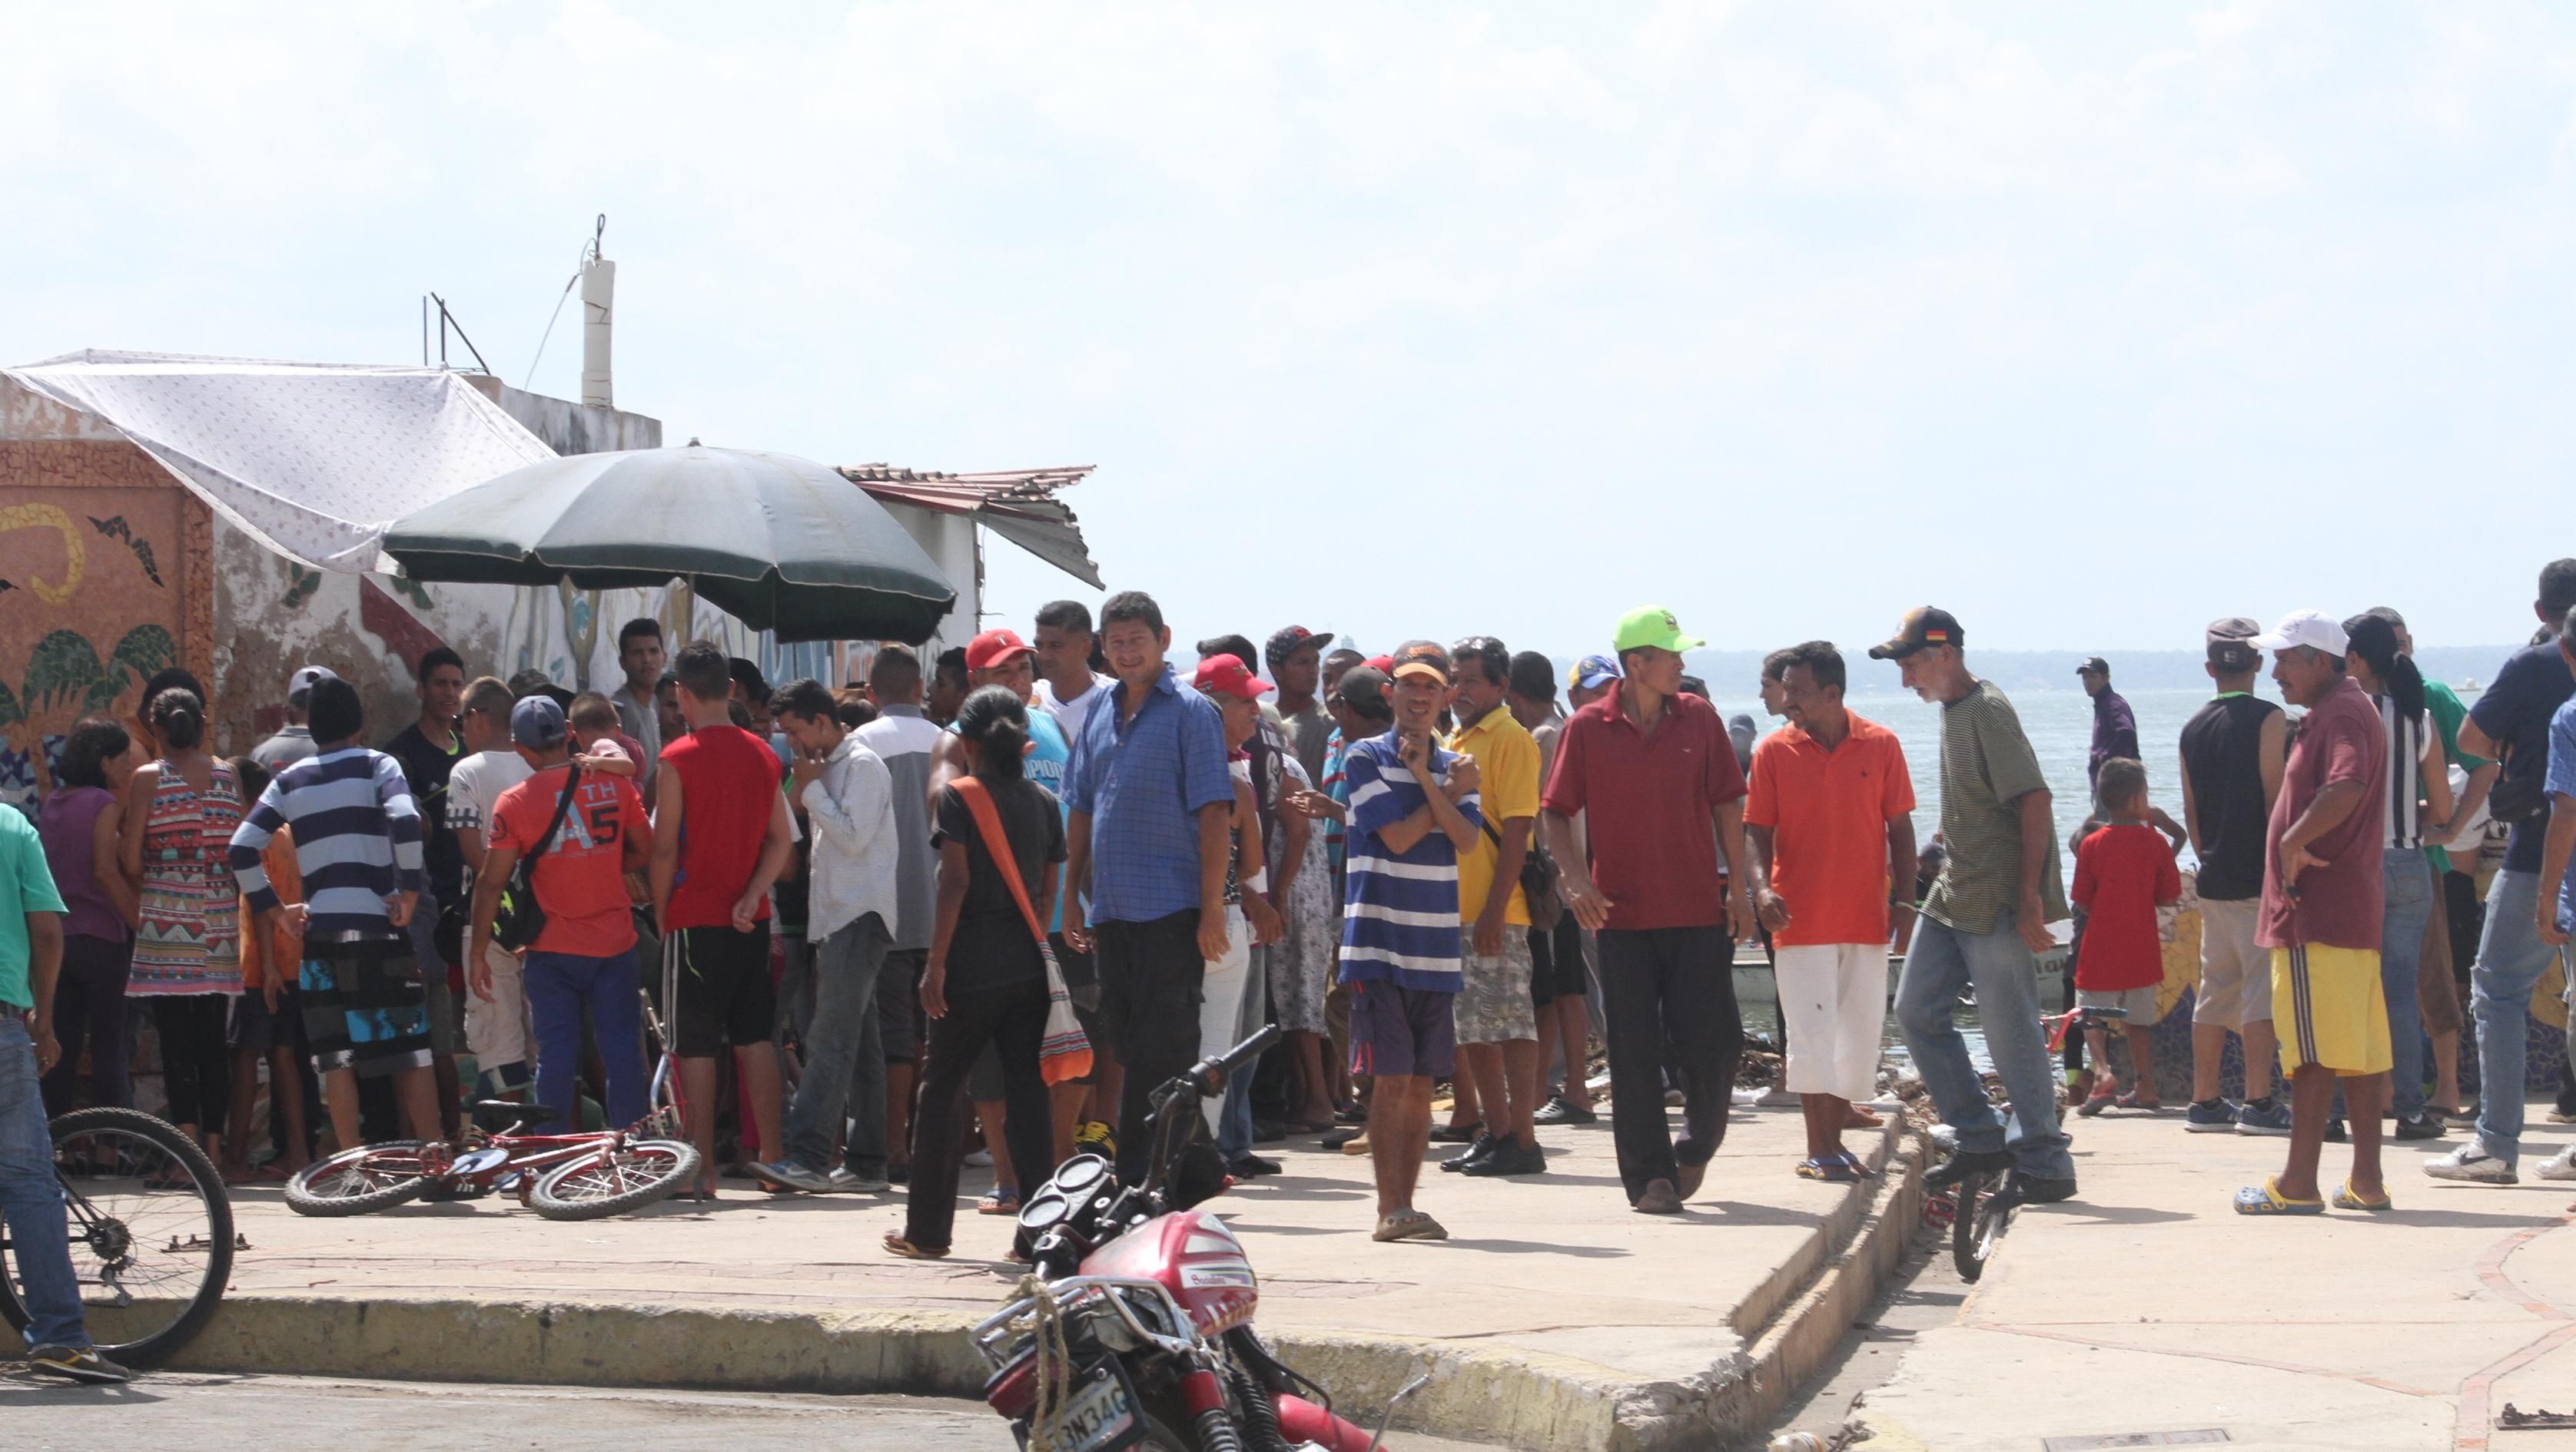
<point>40,1246</point>
<point>1999,965</point>
<point>560,986</point>
<point>2409,882</point>
<point>1234,1122</point>
<point>845,1071</point>
<point>2511,959</point>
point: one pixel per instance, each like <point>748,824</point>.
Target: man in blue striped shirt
<point>1413,810</point>
<point>357,833</point>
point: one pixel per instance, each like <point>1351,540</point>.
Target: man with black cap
<point>2232,755</point>
<point>2115,726</point>
<point>1984,922</point>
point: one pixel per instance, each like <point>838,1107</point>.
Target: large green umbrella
<point>780,543</point>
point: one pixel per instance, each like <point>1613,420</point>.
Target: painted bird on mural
<point>114,527</point>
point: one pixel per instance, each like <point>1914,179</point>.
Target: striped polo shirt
<point>357,838</point>
<point>1400,918</point>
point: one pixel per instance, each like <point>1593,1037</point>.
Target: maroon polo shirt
<point>1651,808</point>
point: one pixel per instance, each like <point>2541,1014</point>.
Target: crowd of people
<point>880,913</point>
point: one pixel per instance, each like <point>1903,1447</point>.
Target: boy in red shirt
<point>2124,871</point>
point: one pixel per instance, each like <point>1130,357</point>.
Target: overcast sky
<point>2087,322</point>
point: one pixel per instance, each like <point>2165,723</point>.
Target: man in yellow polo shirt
<point>1496,1022</point>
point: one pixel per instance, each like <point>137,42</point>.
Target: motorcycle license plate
<point>1099,1413</point>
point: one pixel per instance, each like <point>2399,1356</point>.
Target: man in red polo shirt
<point>1657,778</point>
<point>1831,823</point>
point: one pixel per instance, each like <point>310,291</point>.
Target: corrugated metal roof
<point>1017,504</point>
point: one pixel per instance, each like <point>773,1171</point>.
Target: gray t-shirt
<point>1987,767</point>
<point>1309,732</point>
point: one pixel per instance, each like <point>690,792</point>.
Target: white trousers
<point>1221,1001</point>
<point>497,1032</point>
<point>1834,998</point>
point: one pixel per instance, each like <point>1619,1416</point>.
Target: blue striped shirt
<point>357,838</point>
<point>1400,909</point>
<point>1143,781</point>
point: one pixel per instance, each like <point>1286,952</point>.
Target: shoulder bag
<point>1064,1054</point>
<point>1538,878</point>
<point>518,921</point>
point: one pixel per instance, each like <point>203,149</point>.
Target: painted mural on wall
<point>88,611</point>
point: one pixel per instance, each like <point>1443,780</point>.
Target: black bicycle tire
<point>148,1350</point>
<point>542,1197</point>
<point>1963,1227</point>
<point>1984,1243</point>
<point>301,1199</point>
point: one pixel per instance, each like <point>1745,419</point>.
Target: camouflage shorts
<point>1494,1006</point>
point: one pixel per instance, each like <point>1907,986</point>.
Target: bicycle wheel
<point>1964,1246</point>
<point>356,1181</point>
<point>1993,1218</point>
<point>629,1177</point>
<point>151,1233</point>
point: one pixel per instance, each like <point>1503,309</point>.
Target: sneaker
<point>2033,1190</point>
<point>2462,1118</point>
<point>76,1363</point>
<point>1775,1097</point>
<point>789,1175</point>
<point>1508,1158</point>
<point>2267,1115</point>
<point>899,1174</point>
<point>1343,1138</point>
<point>981,1159</point>
<point>1097,1138</point>
<point>1247,1167</point>
<point>847,1181</point>
<point>2335,1131</point>
<point>2560,1166</point>
<point>2209,1116</point>
<point>1963,1163</point>
<point>1561,1110</point>
<point>2472,1163</point>
<point>2424,1126</point>
<point>1599,1083</point>
<point>1484,1145</point>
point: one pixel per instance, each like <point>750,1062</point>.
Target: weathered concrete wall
<point>568,427</point>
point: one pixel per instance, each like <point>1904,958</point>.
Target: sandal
<point>1409,1225</point>
<point>2096,1104</point>
<point>2348,1198</point>
<point>997,1203</point>
<point>2267,1199</point>
<point>1837,1168</point>
<point>896,1244</point>
<point>2131,1100</point>
<point>1858,1168</point>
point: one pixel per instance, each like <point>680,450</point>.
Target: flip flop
<point>997,1203</point>
<point>2266,1199</point>
<point>2131,1100</point>
<point>1409,1225</point>
<point>897,1245</point>
<point>1837,1168</point>
<point>2348,1198</point>
<point>1858,1168</point>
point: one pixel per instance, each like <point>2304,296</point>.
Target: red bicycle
<point>583,1175</point>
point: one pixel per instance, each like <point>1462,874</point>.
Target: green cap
<point>1651,625</point>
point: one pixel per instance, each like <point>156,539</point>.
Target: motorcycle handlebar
<point>1249,1050</point>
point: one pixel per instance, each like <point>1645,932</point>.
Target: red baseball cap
<point>994,647</point>
<point>1381,663</point>
<point>1223,675</point>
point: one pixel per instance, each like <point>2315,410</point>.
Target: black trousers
<point>1669,988</point>
<point>89,1011</point>
<point>1013,1020</point>
<point>1151,985</point>
<point>196,1067</point>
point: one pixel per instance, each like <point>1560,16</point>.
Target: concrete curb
<point>1478,1391</point>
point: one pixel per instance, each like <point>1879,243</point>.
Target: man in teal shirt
<point>31,952</point>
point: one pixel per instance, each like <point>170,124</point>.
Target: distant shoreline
<point>1732,673</point>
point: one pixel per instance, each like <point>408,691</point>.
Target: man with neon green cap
<point>1657,778</point>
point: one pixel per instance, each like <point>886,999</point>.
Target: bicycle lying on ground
<point>583,1175</point>
<point>1984,1202</point>
<point>151,1233</point>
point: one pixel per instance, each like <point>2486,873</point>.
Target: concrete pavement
<point>2149,1306</point>
<point>1555,1318</point>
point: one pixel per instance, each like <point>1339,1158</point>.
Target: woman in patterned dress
<point>180,812</point>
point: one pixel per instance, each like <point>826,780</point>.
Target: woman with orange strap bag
<point>990,978</point>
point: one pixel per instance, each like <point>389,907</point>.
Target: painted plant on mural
<point>88,598</point>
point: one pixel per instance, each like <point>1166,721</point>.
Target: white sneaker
<point>1774,1097</point>
<point>2560,1166</point>
<point>981,1159</point>
<point>2472,1163</point>
<point>1598,1083</point>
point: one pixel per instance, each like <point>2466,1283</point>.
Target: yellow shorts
<point>2328,1008</point>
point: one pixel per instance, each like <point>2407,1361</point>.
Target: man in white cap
<point>294,740</point>
<point>2323,885</point>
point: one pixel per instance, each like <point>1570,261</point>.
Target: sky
<point>2089,323</point>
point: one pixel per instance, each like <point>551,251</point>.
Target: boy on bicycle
<point>31,953</point>
<point>2124,871</point>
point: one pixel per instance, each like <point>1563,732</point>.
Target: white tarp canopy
<point>312,459</point>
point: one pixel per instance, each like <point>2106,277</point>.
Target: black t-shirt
<point>993,947</point>
<point>2222,749</point>
<point>426,766</point>
<point>2515,712</point>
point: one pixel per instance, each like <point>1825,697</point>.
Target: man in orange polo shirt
<point>1831,826</point>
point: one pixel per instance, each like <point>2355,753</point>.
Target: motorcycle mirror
<point>1387,1420</point>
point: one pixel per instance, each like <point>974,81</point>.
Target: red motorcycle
<point>1134,1327</point>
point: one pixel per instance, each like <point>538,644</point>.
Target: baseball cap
<point>1923,625</point>
<point>1363,689</point>
<point>1592,673</point>
<point>2312,628</point>
<point>302,682</point>
<point>994,647</point>
<point>1420,658</point>
<point>1285,643</point>
<point>1223,675</point>
<point>2095,664</point>
<point>1380,663</point>
<point>536,723</point>
<point>1651,626</point>
<point>2230,644</point>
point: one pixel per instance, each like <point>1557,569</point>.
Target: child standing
<point>2124,871</point>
